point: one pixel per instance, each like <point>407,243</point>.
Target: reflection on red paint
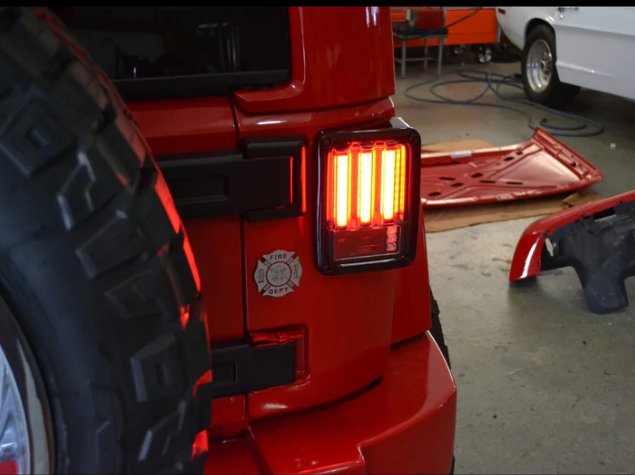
<point>9,467</point>
<point>304,179</point>
<point>201,444</point>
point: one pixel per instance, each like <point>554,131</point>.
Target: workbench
<point>481,28</point>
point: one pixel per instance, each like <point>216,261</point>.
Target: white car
<point>565,48</point>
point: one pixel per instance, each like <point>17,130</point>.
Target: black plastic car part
<point>601,249</point>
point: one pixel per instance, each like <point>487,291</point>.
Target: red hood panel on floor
<point>539,167</point>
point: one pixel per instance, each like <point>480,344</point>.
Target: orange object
<point>429,17</point>
<point>478,29</point>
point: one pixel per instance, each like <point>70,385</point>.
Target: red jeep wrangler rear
<point>298,188</point>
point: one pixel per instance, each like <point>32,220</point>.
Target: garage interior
<point>214,261</point>
<point>543,383</point>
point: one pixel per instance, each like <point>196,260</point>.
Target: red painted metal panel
<point>339,56</point>
<point>411,314</point>
<point>403,425</point>
<point>186,125</point>
<point>216,246</point>
<point>229,417</point>
<point>10,467</point>
<point>541,166</point>
<point>232,456</point>
<point>199,125</point>
<point>349,334</point>
<point>349,318</point>
<point>526,262</point>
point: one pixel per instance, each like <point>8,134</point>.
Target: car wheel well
<point>533,23</point>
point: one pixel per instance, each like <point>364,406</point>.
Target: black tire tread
<point>437,330</point>
<point>89,191</point>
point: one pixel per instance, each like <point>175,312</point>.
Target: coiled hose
<point>581,127</point>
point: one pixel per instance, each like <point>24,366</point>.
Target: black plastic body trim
<point>219,184</point>
<point>263,181</point>
<point>395,129</point>
<point>288,146</point>
<point>601,249</point>
<point>240,368</point>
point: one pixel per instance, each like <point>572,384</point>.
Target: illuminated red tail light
<point>369,196</point>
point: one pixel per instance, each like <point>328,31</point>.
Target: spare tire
<point>103,341</point>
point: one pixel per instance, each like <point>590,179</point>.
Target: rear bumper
<point>404,425</point>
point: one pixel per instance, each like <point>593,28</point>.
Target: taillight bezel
<point>392,129</point>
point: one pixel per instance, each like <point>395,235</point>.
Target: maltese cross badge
<point>278,273</point>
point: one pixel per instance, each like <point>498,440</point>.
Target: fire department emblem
<point>278,273</point>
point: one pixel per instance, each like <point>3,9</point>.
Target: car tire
<point>437,330</point>
<point>437,333</point>
<point>95,265</point>
<point>544,88</point>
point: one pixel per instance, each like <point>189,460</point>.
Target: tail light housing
<point>368,198</point>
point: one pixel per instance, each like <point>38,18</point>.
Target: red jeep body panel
<point>404,425</point>
<point>345,352</point>
<point>186,125</point>
<point>339,415</point>
<point>339,56</point>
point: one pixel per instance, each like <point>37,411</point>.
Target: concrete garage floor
<point>544,385</point>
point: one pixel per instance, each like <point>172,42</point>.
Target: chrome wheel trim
<point>15,446</point>
<point>22,381</point>
<point>539,65</point>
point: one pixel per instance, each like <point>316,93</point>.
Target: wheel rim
<point>15,456</point>
<point>485,55</point>
<point>539,65</point>
<point>26,438</point>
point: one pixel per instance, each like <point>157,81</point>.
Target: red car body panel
<point>8,468</point>
<point>194,125</point>
<point>325,39</point>
<point>402,425</point>
<point>345,352</point>
<point>345,325</point>
<point>410,302</point>
<point>186,125</point>
<point>526,262</point>
<point>541,166</point>
<point>219,241</point>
